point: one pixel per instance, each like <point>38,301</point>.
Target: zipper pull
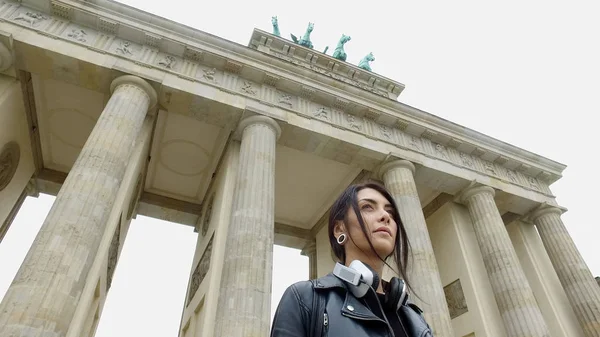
<point>325,319</point>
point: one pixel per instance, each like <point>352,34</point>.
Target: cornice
<point>231,67</point>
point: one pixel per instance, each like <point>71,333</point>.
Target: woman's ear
<point>339,228</point>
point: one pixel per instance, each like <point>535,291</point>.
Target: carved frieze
<point>200,271</point>
<point>285,100</point>
<point>322,113</point>
<point>209,74</point>
<point>415,143</point>
<point>455,297</point>
<point>466,160</point>
<point>248,88</point>
<point>353,122</point>
<point>441,151</point>
<point>167,62</point>
<point>125,48</point>
<point>9,161</point>
<point>342,113</point>
<point>77,34</point>
<point>385,131</point>
<point>30,18</point>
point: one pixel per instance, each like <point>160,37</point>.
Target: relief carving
<point>168,62</point>
<point>415,142</point>
<point>209,74</point>
<point>31,18</point>
<point>352,122</point>
<point>9,161</point>
<point>286,99</point>
<point>78,35</point>
<point>332,75</point>
<point>247,88</point>
<point>455,297</point>
<point>489,167</point>
<point>385,131</point>
<point>466,160</point>
<point>512,176</point>
<point>200,271</point>
<point>441,151</point>
<point>534,183</point>
<point>125,48</point>
<point>321,113</point>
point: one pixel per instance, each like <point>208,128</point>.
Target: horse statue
<point>364,62</point>
<point>305,40</point>
<point>339,52</point>
<point>275,26</point>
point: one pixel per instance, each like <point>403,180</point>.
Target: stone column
<point>244,307</point>
<point>514,297</point>
<point>42,299</point>
<point>310,251</point>
<point>423,271</point>
<point>573,273</point>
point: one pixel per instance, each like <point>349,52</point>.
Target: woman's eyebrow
<point>375,202</point>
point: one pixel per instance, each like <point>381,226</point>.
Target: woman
<point>364,230</point>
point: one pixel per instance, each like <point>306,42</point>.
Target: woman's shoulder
<point>304,291</point>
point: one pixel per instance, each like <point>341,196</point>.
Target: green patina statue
<point>364,63</point>
<point>275,26</point>
<point>339,52</point>
<point>305,40</point>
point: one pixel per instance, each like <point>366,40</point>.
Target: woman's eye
<point>367,207</point>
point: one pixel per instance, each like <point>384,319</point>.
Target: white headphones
<point>360,277</point>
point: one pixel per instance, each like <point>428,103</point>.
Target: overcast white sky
<point>525,72</point>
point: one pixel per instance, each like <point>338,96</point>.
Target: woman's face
<point>377,214</point>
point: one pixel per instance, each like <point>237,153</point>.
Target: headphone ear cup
<point>396,295</point>
<point>391,296</point>
<point>376,281</point>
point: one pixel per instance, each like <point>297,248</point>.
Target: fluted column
<point>573,273</point>
<point>42,299</point>
<point>520,313</point>
<point>424,276</point>
<point>244,307</point>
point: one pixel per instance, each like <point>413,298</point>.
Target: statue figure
<point>275,26</point>
<point>305,40</point>
<point>364,63</point>
<point>339,52</point>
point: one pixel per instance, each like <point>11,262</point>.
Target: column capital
<point>474,190</point>
<point>398,163</point>
<point>541,211</point>
<point>138,82</point>
<point>6,58</point>
<point>246,122</point>
<point>310,247</point>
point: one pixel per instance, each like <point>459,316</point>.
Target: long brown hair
<point>339,212</point>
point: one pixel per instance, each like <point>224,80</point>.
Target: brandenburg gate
<point>118,112</point>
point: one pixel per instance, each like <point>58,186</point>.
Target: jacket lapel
<point>352,307</point>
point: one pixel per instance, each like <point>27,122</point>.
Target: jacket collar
<point>352,307</point>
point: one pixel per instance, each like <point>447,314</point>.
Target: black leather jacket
<point>298,313</point>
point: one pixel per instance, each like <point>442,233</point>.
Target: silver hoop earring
<point>341,239</point>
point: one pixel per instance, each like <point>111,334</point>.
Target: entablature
<point>256,75</point>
